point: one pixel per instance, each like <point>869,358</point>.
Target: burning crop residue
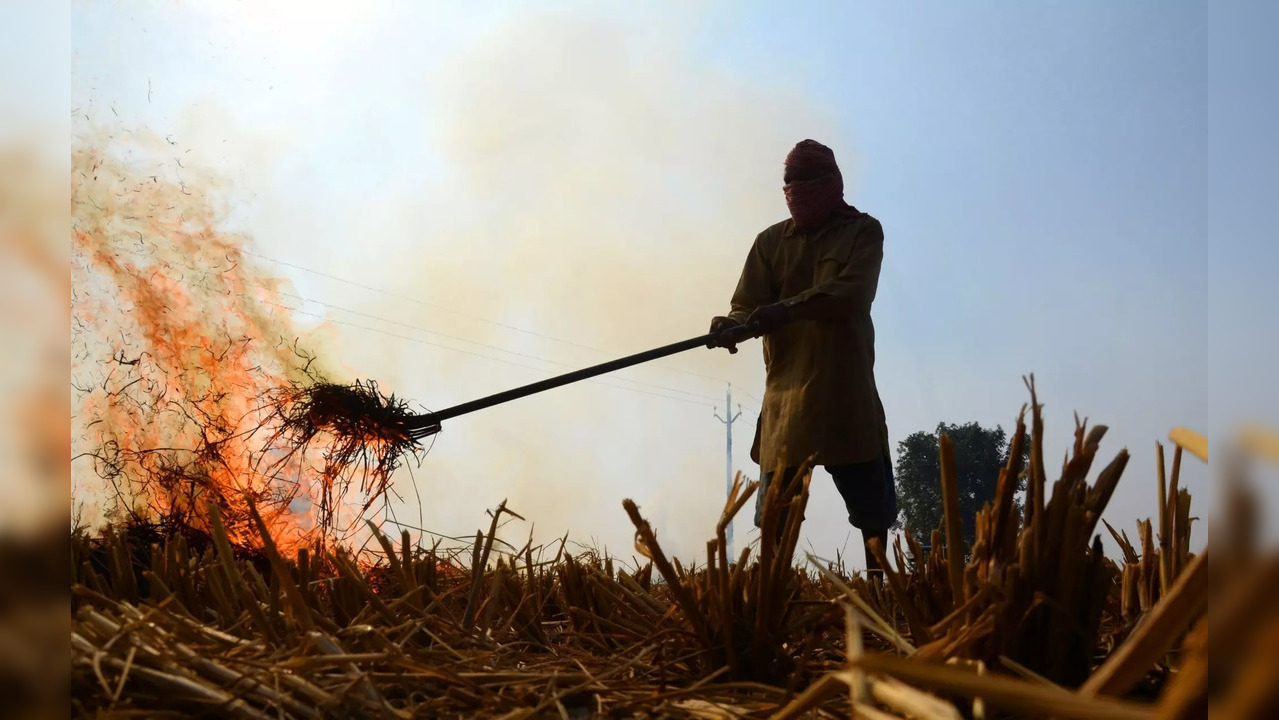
<point>357,426</point>
<point>192,386</point>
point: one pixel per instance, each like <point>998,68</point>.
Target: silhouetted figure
<point>808,285</point>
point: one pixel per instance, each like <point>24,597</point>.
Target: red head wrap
<point>811,202</point>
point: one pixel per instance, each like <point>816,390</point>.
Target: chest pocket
<point>838,251</point>
<point>834,259</point>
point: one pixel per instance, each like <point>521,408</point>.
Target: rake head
<point>421,427</point>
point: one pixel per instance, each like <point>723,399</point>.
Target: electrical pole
<point>728,421</point>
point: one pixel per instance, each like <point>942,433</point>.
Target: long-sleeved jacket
<point>820,396</point>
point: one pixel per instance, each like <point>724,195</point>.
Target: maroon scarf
<point>812,202</point>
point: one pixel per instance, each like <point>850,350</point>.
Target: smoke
<point>573,176</point>
<point>603,186</point>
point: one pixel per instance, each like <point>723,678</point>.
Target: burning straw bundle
<point>362,432</point>
<point>312,440</point>
<point>359,413</point>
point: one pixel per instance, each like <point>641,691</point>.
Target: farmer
<point>807,287</point>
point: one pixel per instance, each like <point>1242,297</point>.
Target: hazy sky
<point>1066,189</point>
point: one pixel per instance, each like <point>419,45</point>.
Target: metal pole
<point>728,432</point>
<point>428,424</point>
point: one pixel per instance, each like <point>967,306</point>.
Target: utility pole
<point>728,421</point>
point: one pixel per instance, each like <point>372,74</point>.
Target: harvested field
<point>1036,622</point>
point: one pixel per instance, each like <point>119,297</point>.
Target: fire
<point>184,356</point>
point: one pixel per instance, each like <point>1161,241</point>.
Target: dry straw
<point>1032,620</point>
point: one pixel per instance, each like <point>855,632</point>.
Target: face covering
<point>811,202</point>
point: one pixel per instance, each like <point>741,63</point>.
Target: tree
<point>980,453</point>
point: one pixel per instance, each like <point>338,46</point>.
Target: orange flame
<point>179,346</point>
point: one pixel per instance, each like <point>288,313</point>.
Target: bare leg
<point>870,497</point>
<point>873,568</point>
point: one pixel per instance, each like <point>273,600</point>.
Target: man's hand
<point>768,318</point>
<point>721,327</point>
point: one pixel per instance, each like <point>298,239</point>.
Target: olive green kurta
<point>820,396</point>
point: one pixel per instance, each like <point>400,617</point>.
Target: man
<point>807,287</point>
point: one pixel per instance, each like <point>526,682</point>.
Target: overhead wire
<point>481,355</point>
<point>751,395</point>
<point>459,313</point>
<point>483,345</point>
<point>596,381</point>
<point>705,399</point>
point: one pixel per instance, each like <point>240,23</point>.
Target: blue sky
<point>1069,189</point>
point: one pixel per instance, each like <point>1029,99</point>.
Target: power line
<point>423,330</point>
<point>481,355</point>
<point>483,345</point>
<point>438,345</point>
<point>477,318</point>
<point>752,396</point>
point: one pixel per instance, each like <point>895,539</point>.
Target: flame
<point>182,347</point>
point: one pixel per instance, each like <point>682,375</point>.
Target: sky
<point>477,199</point>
